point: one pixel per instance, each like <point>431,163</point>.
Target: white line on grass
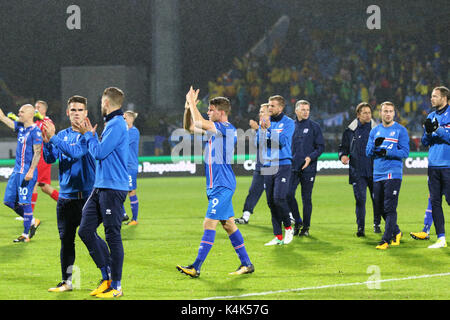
<point>329,286</point>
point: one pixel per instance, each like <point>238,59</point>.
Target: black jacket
<point>307,141</point>
<point>353,145</point>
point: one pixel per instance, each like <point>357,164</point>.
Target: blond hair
<point>132,114</point>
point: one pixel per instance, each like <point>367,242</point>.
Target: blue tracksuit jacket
<point>396,143</point>
<point>277,149</point>
<point>111,152</point>
<point>76,165</point>
<point>439,141</point>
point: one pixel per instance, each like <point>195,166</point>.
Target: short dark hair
<point>278,98</point>
<point>115,96</point>
<point>363,105</point>
<point>221,103</point>
<point>445,92</point>
<point>77,99</point>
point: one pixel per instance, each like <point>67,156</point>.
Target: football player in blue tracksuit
<point>76,180</point>
<point>105,204</point>
<point>389,144</point>
<point>437,137</point>
<point>220,179</point>
<point>307,146</point>
<point>257,185</point>
<point>276,146</point>
<point>352,151</point>
<point>133,165</point>
<point>19,188</point>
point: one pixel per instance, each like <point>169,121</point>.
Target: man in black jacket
<point>307,146</point>
<point>352,151</point>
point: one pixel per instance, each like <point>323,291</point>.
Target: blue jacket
<point>277,147</point>
<point>439,141</point>
<point>76,165</point>
<point>258,150</point>
<point>307,141</point>
<point>396,143</point>
<point>111,153</point>
<point>133,159</point>
<point>353,145</point>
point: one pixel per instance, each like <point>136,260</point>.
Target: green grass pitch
<point>331,264</point>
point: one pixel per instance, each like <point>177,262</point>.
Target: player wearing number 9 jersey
<point>220,179</point>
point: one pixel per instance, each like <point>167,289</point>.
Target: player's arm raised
<point>199,121</point>
<point>6,120</point>
<point>188,122</point>
<point>187,119</point>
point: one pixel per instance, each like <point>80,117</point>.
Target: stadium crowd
<point>334,75</point>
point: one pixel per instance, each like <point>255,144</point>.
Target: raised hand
<point>84,126</point>
<point>192,96</point>
<point>253,124</point>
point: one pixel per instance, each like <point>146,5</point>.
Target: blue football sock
<point>428,221</point>
<point>134,203</point>
<point>123,210</point>
<point>238,243</point>
<point>205,245</point>
<point>27,217</point>
<point>106,272</point>
<point>115,284</point>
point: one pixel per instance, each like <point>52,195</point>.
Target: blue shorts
<point>220,206</point>
<point>132,180</point>
<point>18,190</point>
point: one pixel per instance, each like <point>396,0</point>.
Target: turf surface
<point>330,264</point>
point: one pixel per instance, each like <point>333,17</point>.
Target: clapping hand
<point>85,126</point>
<point>48,132</point>
<point>253,124</point>
<point>192,96</point>
<point>265,122</point>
